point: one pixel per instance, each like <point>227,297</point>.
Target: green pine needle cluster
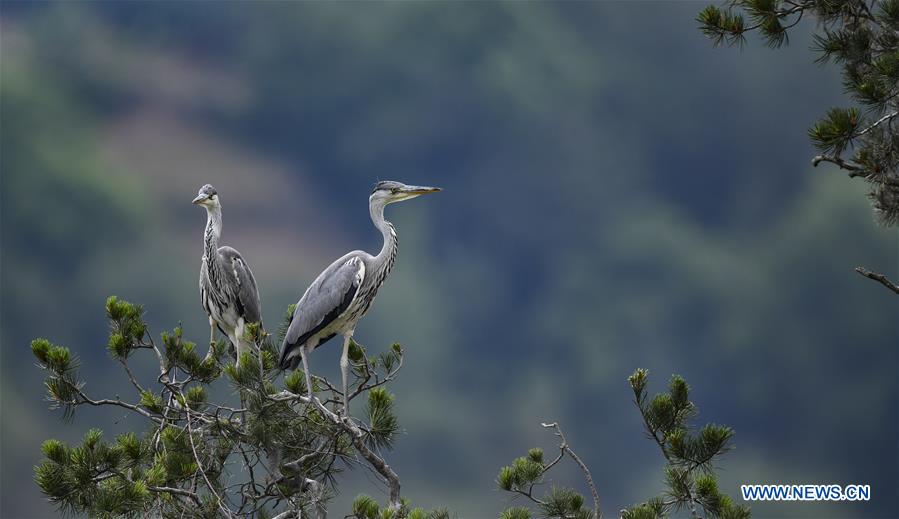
<point>62,384</point>
<point>366,507</point>
<point>834,133</point>
<point>860,36</point>
<point>526,474</point>
<point>564,503</point>
<point>285,322</point>
<point>722,25</point>
<point>771,18</point>
<point>522,474</point>
<point>516,512</point>
<point>690,482</point>
<point>383,422</point>
<point>97,478</point>
<point>127,327</point>
<point>183,355</point>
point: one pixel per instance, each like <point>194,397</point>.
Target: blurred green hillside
<point>616,194</point>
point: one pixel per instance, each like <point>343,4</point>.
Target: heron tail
<point>289,359</point>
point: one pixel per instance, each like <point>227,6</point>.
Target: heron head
<point>207,196</point>
<point>391,191</point>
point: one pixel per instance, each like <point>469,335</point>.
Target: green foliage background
<point>617,194</point>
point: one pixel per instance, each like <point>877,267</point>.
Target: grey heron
<point>344,291</point>
<point>227,287</point>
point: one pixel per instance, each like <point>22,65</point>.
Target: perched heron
<point>227,286</point>
<point>341,295</point>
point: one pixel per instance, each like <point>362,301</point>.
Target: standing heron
<point>342,294</point>
<point>227,287</point>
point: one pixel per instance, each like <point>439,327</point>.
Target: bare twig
<point>854,171</point>
<point>878,122</point>
<point>378,382</point>
<point>565,448</point>
<point>529,494</point>
<point>297,463</point>
<point>176,491</point>
<point>880,278</point>
<point>193,448</point>
<point>131,376</point>
<point>152,344</point>
<point>117,402</point>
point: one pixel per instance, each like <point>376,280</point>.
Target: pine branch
<point>178,492</point>
<point>880,278</point>
<point>875,124</point>
<point>855,171</point>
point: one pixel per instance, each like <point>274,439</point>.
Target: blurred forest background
<point>618,194</point>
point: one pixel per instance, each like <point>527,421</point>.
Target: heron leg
<point>236,343</point>
<point>344,365</point>
<point>211,337</point>
<point>308,376</point>
<point>238,340</point>
<point>243,398</point>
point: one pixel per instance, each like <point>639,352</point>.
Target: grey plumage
<point>326,300</point>
<point>343,292</point>
<point>228,290</point>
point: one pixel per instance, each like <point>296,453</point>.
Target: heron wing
<point>203,285</point>
<point>246,292</point>
<point>325,300</point>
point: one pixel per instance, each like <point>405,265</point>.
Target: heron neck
<point>385,258</point>
<point>213,232</point>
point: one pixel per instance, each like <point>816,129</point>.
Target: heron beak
<point>199,199</point>
<point>420,190</point>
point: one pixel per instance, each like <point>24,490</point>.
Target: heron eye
<point>394,191</point>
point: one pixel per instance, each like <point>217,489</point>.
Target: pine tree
<point>280,453</point>
<point>690,457</point>
<point>862,37</point>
